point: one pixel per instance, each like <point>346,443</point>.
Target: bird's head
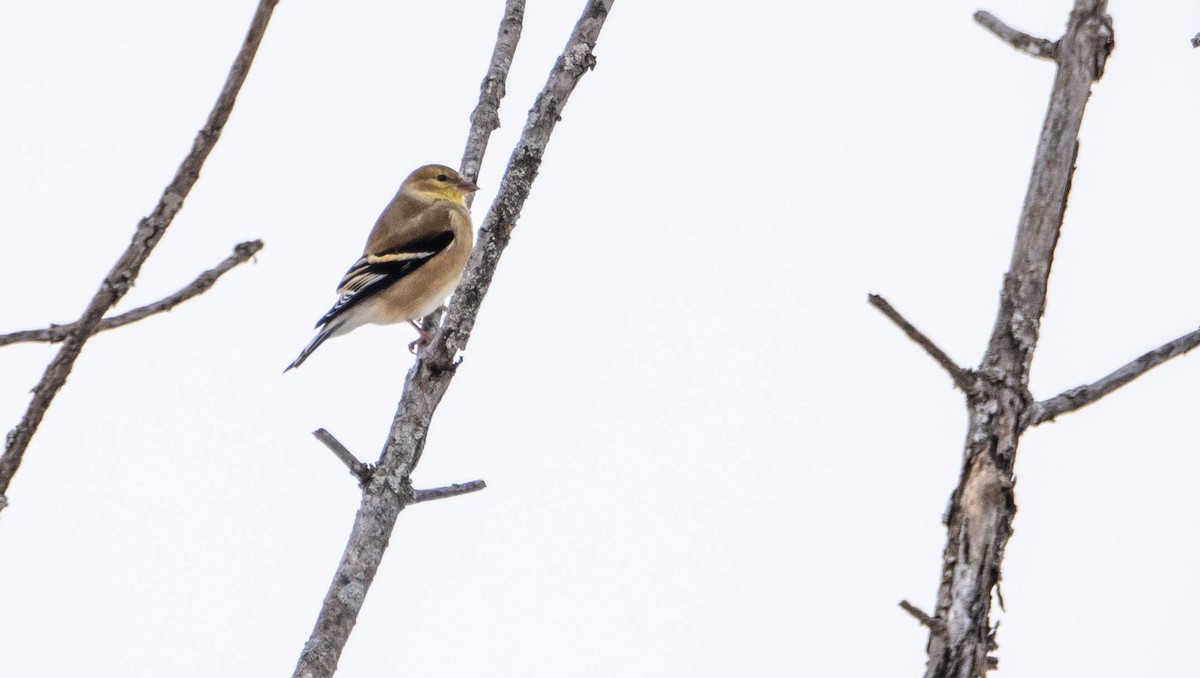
<point>433,182</point>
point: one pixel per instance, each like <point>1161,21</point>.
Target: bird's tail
<point>325,333</point>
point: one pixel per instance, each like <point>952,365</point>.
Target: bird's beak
<point>468,186</point>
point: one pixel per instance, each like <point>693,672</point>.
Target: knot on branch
<point>401,484</point>
<point>1102,28</point>
<point>438,365</point>
<point>486,119</point>
<point>994,388</point>
<point>578,58</point>
<point>120,283</point>
<point>248,249</point>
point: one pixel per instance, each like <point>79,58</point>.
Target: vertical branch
<point>125,271</point>
<point>390,489</point>
<point>979,520</point>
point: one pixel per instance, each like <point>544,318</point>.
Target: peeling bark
<point>982,508</point>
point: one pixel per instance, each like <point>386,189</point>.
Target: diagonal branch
<point>125,271</point>
<point>1082,396</point>
<point>485,119</point>
<point>963,379</point>
<point>1035,47</point>
<point>390,488</point>
<point>919,614</point>
<point>203,282</point>
<point>357,468</point>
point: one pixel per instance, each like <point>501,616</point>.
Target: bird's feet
<point>421,341</point>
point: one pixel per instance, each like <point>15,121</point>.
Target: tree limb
<point>125,271</point>
<point>1035,47</point>
<point>357,468</point>
<point>919,614</point>
<point>982,507</point>
<point>390,489</point>
<point>203,282</point>
<point>1082,396</point>
<point>963,379</point>
<point>485,119</point>
<point>448,491</point>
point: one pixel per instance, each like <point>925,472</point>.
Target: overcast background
<point>706,454</point>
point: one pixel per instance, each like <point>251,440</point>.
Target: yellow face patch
<point>434,190</point>
<point>436,182</point>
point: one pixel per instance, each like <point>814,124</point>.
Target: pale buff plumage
<point>413,260</point>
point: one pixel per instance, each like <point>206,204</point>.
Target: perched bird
<point>413,260</point>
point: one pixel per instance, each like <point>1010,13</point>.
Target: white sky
<point>706,454</point>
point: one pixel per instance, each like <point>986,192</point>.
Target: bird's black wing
<point>373,272</point>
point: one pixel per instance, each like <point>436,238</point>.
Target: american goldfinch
<point>413,260</point>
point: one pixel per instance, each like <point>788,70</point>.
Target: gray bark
<point>389,489</point>
<point>980,516</point>
<point>242,253</point>
<point>125,271</point>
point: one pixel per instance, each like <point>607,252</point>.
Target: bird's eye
<point>442,177</point>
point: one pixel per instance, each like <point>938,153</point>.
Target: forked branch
<point>203,282</point>
<point>980,515</point>
<point>389,489</point>
<point>125,271</point>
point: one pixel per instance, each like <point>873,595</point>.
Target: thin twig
<point>448,491</point>
<point>485,119</point>
<point>1082,396</point>
<point>125,271</point>
<point>919,614</point>
<point>56,333</point>
<point>390,489</point>
<point>963,379</point>
<point>357,468</point>
<point>1035,47</point>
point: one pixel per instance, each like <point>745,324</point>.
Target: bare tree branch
<point>979,518</point>
<point>1081,396</point>
<point>485,119</point>
<point>919,614</point>
<point>357,468</point>
<point>963,379</point>
<point>390,489</point>
<point>203,282</point>
<point>1036,47</point>
<point>448,491</point>
<point>125,271</point>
